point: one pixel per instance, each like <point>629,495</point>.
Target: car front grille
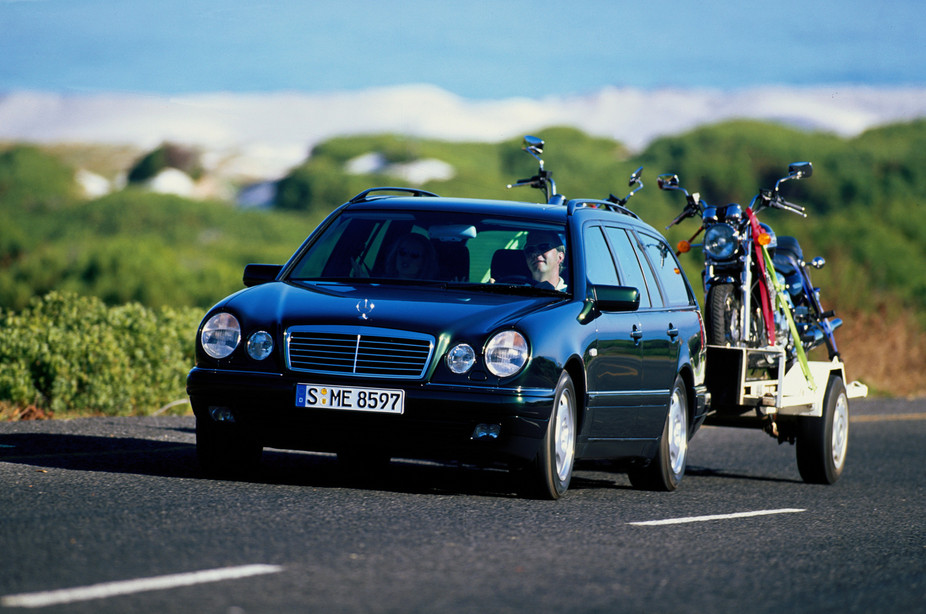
<point>358,351</point>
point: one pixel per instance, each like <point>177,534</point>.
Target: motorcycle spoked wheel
<point>723,325</point>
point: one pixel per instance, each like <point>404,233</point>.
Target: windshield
<point>439,246</point>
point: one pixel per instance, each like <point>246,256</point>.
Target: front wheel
<point>549,475</point>
<point>668,467</point>
<point>724,318</point>
<point>723,326</point>
<point>822,442</point>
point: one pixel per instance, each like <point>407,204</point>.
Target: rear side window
<point>631,273</point>
<point>599,266</point>
<point>670,274</point>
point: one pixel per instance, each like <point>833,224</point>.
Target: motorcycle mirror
<point>533,145</point>
<point>800,170</point>
<point>667,181</point>
<point>635,177</point>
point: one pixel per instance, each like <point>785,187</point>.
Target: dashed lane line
<point>128,587</point>
<point>655,523</point>
<point>886,417</point>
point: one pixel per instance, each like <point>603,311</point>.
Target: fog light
<point>260,345</point>
<point>221,414</point>
<point>487,431</point>
<point>461,358</point>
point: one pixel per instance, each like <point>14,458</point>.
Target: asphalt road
<point>115,511</point>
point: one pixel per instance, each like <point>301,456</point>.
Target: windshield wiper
<point>525,289</point>
<point>379,281</point>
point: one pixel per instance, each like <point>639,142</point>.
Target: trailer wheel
<point>667,469</point>
<point>822,442</point>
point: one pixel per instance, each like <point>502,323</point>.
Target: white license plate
<point>321,396</point>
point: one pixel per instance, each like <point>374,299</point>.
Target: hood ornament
<point>365,307</point>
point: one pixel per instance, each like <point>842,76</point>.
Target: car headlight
<point>461,358</point>
<point>506,353</point>
<point>221,335</point>
<point>260,345</point>
<point>720,241</point>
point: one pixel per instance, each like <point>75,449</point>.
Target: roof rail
<point>359,198</point>
<point>593,203</point>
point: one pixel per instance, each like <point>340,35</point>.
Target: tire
<point>225,450</point>
<point>722,323</point>
<point>822,442</point>
<point>549,475</point>
<point>666,470</point>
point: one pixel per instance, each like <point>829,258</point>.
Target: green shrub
<point>33,180</point>
<point>168,155</point>
<point>74,355</point>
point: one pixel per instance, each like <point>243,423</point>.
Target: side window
<point>667,268</point>
<point>631,273</point>
<point>599,266</point>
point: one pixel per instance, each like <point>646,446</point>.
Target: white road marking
<point>126,587</point>
<point>886,417</point>
<point>653,523</point>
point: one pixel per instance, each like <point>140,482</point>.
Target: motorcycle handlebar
<point>687,212</point>
<point>534,182</point>
<point>781,203</point>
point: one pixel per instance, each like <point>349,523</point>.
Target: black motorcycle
<point>757,286</point>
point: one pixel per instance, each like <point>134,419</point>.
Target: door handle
<point>672,332</point>
<point>637,333</point>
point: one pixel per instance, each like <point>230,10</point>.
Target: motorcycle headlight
<point>720,242</point>
<point>221,335</point>
<point>506,353</point>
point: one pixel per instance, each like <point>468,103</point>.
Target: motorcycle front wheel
<point>723,320</point>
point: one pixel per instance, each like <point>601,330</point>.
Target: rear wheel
<point>668,467</point>
<point>822,442</point>
<point>549,475</point>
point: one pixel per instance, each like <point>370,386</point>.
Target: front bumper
<point>438,422</point>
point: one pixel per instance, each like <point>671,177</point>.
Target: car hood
<point>414,308</point>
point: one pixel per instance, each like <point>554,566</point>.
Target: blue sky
<point>476,49</point>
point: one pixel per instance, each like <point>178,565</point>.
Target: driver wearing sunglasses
<point>545,254</point>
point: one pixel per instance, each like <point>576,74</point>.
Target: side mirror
<point>257,274</point>
<point>615,298</point>
<point>800,170</point>
<point>667,181</point>
<point>533,145</point>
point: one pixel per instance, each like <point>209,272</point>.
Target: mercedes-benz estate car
<point>409,325</point>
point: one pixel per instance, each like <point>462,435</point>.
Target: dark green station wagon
<point>524,335</point>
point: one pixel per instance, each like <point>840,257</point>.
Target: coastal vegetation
<point>100,296</point>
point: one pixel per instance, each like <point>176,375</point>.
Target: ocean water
<point>478,49</point>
